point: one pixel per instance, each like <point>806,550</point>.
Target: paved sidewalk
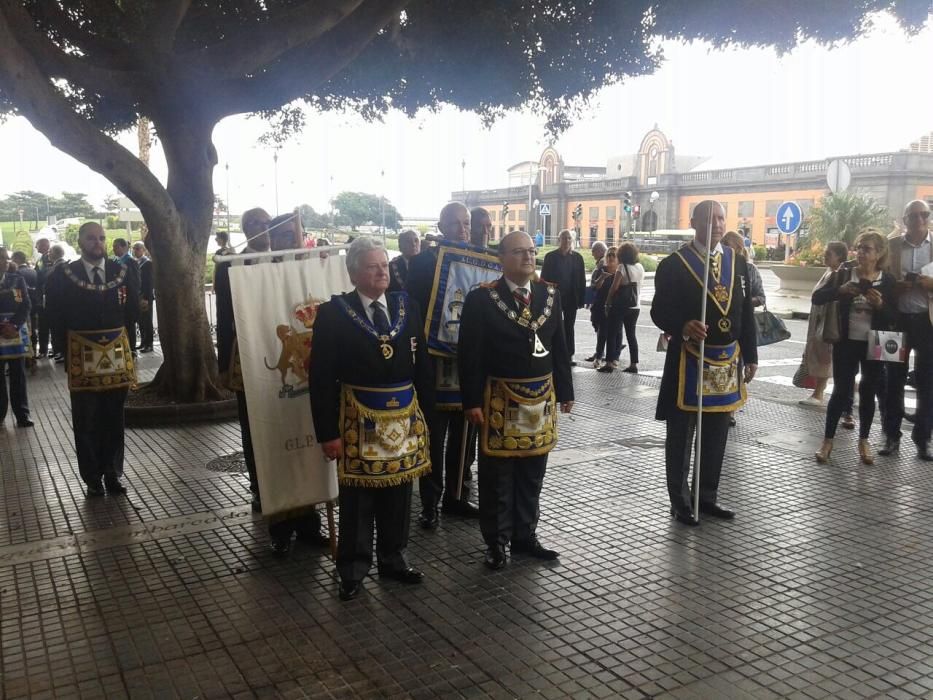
<point>819,588</point>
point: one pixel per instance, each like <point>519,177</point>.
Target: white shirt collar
<point>366,301</point>
<point>513,286</point>
<point>701,249</point>
<point>89,268</point>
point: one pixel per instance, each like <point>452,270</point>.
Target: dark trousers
<point>131,335</point>
<point>509,489</point>
<point>388,508</point>
<point>247,441</point>
<point>44,331</point>
<point>848,356</point>
<point>97,420</point>
<point>445,460</point>
<point>146,335</point>
<point>305,525</point>
<point>678,450</point>
<point>920,338</point>
<point>570,318</point>
<point>17,398</point>
<point>629,322</point>
<point>609,338</point>
<point>34,330</point>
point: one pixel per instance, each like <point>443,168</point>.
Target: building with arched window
<point>663,187</point>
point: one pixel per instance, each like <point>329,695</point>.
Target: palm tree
<point>840,217</point>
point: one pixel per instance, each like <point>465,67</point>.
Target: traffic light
<point>636,211</point>
<point>505,209</point>
<point>578,212</point>
<point>627,202</point>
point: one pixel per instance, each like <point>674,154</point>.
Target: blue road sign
<point>789,217</point>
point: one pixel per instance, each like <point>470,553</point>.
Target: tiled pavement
<point>819,588</point>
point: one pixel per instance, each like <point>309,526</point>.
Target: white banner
<point>274,305</point>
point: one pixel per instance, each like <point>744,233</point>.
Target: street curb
<point>174,414</point>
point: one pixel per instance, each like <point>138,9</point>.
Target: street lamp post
<point>383,203</point>
<point>463,175</point>
<point>275,168</point>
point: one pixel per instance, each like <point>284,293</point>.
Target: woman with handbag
<point>602,283</point>
<point>622,309</point>
<point>818,354</point>
<point>865,296</point>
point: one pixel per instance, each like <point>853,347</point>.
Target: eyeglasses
<point>865,248</point>
<point>522,252</point>
<point>919,215</point>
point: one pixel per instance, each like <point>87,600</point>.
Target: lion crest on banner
<point>292,364</point>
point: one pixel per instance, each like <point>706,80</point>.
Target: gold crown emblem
<point>392,403</point>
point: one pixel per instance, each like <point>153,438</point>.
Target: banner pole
<point>463,450</point>
<point>700,362</point>
<point>331,530</point>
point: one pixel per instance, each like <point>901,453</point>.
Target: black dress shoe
<point>923,453</point>
<point>591,358</point>
<point>606,369</point>
<point>534,549</point>
<point>281,546</point>
<point>573,363</point>
<point>256,503</point>
<point>684,516</point>
<point>313,539</point>
<point>24,423</point>
<point>408,575</point>
<point>114,487</point>
<point>716,511</point>
<point>95,490</point>
<point>349,590</point>
<point>464,509</point>
<point>891,445</point>
<point>428,519</point>
<point>495,557</point>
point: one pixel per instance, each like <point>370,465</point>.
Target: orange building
<point>662,189</point>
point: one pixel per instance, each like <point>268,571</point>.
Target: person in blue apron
<point>730,362</point>
<point>369,373</point>
<point>515,376</point>
<point>91,301</point>
<point>15,345</point>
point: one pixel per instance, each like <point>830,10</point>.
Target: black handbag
<point>626,295</point>
<point>770,329</point>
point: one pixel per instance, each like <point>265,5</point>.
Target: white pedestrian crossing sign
<point>544,209</point>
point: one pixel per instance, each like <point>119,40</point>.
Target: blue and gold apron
<point>18,345</point>
<point>385,437</point>
<point>520,417</point>
<point>723,385</point>
<point>100,360</point>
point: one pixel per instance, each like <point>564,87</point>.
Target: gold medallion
<point>387,351</point>
<point>720,293</point>
<point>725,325</point>
<point>526,313</point>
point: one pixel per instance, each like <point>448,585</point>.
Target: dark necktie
<point>380,320</point>
<point>97,278</point>
<point>521,293</point>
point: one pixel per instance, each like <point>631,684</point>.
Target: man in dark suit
<point>731,344</point>
<point>92,301</point>
<point>146,295</point>
<point>480,227</point>
<point>409,245</point>
<point>447,432</point>
<point>369,370</point>
<point>514,371</point>
<point>564,267</point>
<point>43,269</point>
<point>15,306</point>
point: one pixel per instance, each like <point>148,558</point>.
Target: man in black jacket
<point>91,302</point>
<point>447,423</point>
<point>146,295</point>
<point>15,306</point>
<point>514,372</point>
<point>730,343</point>
<point>564,267</point>
<point>369,370</point>
<point>43,269</point>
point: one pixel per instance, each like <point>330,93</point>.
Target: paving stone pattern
<point>819,588</point>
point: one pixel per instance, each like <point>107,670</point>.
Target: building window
<point>594,213</point>
<point>512,218</point>
<point>746,210</point>
<point>523,215</point>
<point>512,228</point>
<point>492,215</point>
<point>771,207</point>
<point>610,234</point>
<point>805,205</point>
<point>610,213</point>
<point>594,233</point>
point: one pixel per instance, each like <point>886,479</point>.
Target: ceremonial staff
<point>700,366</point>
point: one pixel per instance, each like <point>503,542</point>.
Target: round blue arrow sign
<point>789,217</point>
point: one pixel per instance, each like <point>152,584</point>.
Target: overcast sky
<point>740,107</point>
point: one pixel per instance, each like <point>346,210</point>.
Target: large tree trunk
<point>179,246</point>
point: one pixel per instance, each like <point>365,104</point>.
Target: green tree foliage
<point>310,219</point>
<point>82,70</point>
<point>840,217</point>
<point>359,208</point>
<point>37,203</point>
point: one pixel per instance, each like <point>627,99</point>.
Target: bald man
<point>480,227</point>
<point>909,260</point>
<point>439,488</point>
<point>565,268</point>
<point>91,302</point>
<point>731,345</point>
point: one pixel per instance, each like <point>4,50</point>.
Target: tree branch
<point>251,48</point>
<point>167,21</point>
<point>301,72</point>
<point>30,89</point>
<point>109,53</point>
<point>55,63</point>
